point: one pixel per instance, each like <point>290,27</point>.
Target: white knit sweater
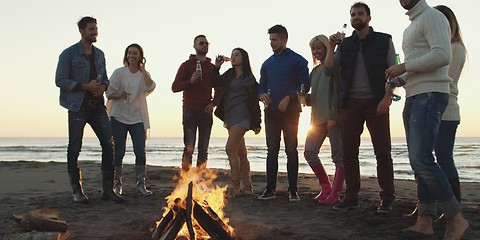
<point>426,45</point>
<point>452,113</point>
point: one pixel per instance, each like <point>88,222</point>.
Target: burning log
<point>174,228</point>
<point>163,225</point>
<point>189,201</point>
<point>210,225</point>
<point>215,216</point>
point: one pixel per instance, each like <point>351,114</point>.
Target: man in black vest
<point>363,59</point>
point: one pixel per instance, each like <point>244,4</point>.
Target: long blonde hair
<point>454,26</point>
<point>322,39</point>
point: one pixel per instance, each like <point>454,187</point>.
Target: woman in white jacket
<point>127,108</point>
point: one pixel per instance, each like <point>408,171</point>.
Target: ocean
<point>168,152</point>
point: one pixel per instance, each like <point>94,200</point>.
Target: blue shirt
<point>74,68</point>
<point>283,75</point>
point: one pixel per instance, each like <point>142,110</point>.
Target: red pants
<point>353,116</point>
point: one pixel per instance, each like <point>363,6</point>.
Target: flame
<point>204,193</point>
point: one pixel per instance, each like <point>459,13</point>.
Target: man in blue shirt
<point>82,79</point>
<point>282,76</point>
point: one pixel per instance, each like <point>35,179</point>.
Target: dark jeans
<point>353,115</point>
<point>193,119</point>
<point>275,123</point>
<point>444,148</point>
<point>137,133</point>
<point>96,116</point>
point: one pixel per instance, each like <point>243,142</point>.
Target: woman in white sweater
<point>451,116</point>
<point>127,108</point>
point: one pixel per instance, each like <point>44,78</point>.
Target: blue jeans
<point>137,133</point>
<point>315,138</point>
<point>96,116</point>
<point>275,123</point>
<point>444,148</point>
<point>422,115</point>
<point>193,119</point>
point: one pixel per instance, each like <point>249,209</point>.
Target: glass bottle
<point>303,96</point>
<point>127,100</point>
<point>395,97</point>
<point>199,68</point>
<point>342,37</point>
<point>266,103</point>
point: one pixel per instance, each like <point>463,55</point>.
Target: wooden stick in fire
<point>189,211</point>
<point>177,223</point>
<point>162,225</point>
<point>210,225</point>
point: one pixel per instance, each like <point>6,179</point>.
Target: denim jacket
<point>74,68</point>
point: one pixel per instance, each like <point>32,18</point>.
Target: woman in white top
<point>451,116</point>
<point>127,108</point>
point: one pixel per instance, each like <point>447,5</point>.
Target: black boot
<point>76,183</point>
<point>455,184</point>
<point>108,193</point>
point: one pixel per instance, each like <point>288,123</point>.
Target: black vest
<point>375,50</point>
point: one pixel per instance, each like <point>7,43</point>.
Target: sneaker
<point>267,194</point>
<point>293,196</point>
<point>385,207</point>
<point>347,204</point>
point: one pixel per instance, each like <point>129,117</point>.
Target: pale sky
<point>36,32</point>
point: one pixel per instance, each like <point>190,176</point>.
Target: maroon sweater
<point>198,95</point>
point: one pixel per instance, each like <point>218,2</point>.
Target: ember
<point>195,209</point>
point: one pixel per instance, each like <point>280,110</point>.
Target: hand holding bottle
<point>126,95</point>
<point>334,38</point>
<point>142,65</point>
<point>302,96</point>
<point>265,98</point>
<point>219,61</point>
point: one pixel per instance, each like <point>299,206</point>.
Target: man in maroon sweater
<point>197,102</point>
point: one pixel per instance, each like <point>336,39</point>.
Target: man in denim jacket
<point>82,79</point>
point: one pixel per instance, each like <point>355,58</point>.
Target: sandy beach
<point>26,186</point>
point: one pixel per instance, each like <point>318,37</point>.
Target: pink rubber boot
<point>334,196</point>
<point>323,180</point>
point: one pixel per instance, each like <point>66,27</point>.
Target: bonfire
<point>195,208</point>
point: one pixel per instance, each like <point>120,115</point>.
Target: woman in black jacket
<point>238,108</point>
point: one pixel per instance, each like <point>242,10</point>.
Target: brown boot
<point>234,190</point>
<point>246,178</point>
